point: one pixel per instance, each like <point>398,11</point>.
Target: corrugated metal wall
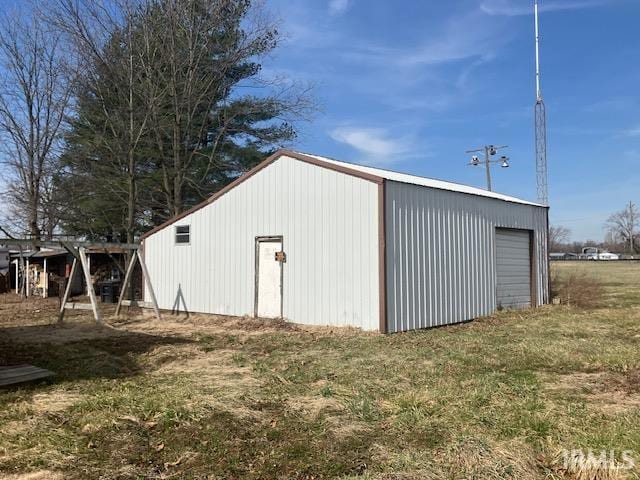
<point>441,265</point>
<point>329,222</point>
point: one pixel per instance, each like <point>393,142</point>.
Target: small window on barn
<point>183,234</point>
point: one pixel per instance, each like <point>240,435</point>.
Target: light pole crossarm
<point>489,151</point>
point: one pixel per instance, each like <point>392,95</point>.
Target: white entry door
<point>269,279</point>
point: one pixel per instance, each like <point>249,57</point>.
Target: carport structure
<point>78,249</point>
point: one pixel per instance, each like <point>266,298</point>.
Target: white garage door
<point>513,268</point>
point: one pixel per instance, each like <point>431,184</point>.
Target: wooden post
<point>147,282</point>
<point>20,278</point>
<point>17,277</point>
<point>87,277</point>
<point>67,290</point>
<point>45,284</point>
<point>88,262</point>
<point>127,278</point>
<point>28,284</point>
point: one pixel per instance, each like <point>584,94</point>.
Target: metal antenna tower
<point>540,125</point>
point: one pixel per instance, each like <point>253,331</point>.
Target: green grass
<point>495,398</point>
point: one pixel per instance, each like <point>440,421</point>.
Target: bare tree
<point>34,96</point>
<point>623,225</point>
<point>558,236</point>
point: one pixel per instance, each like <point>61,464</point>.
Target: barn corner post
<point>547,263</point>
<point>382,257</point>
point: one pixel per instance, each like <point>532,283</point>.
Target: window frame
<point>176,233</point>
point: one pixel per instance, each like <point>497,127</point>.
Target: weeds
<point>577,289</point>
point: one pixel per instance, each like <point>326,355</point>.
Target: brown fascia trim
<point>382,257</point>
<point>265,163</point>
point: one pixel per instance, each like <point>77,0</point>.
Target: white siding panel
<point>443,270</point>
<point>329,224</point>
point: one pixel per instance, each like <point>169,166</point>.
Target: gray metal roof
<point>422,181</point>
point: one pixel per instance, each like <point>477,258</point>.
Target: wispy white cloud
<point>632,132</point>
<point>512,8</point>
<point>372,141</point>
<point>462,37</point>
<point>338,7</point>
<point>375,145</point>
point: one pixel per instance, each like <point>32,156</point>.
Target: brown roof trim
<point>265,163</point>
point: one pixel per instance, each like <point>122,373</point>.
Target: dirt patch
<point>36,407</point>
<point>464,458</point>
<point>54,402</point>
<point>34,320</point>
<point>579,466</point>
<point>60,334</point>
<point>611,392</point>
<point>579,382</point>
<point>40,475</point>
<point>312,407</point>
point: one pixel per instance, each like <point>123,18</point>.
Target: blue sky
<point>411,85</point>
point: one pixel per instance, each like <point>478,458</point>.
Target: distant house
<point>563,256</point>
<point>595,253</point>
<point>608,256</point>
<point>4,258</point>
<point>5,281</point>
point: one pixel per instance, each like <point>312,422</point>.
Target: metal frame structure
<point>78,249</point>
<point>540,124</point>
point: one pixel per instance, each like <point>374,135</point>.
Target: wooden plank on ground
<point>136,303</point>
<point>13,374</point>
<point>78,306</point>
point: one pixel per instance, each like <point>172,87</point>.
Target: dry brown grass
<point>577,289</point>
<point>251,399</point>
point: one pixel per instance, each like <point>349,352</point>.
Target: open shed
<point>322,242</point>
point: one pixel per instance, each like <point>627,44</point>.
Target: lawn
<point>205,397</point>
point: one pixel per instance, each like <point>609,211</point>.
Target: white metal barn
<point>322,242</point>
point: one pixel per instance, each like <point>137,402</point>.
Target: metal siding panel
<point>441,263</point>
<point>329,223</point>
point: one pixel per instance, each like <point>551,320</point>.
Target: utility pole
<point>489,151</point>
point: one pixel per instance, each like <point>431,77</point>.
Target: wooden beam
<point>136,303</point>
<point>147,281</point>
<point>89,270</point>
<point>78,306</point>
<point>21,280</point>
<point>87,277</point>
<point>28,284</point>
<point>127,278</point>
<point>45,283</point>
<point>65,243</point>
<point>67,290</point>
<point>10,375</point>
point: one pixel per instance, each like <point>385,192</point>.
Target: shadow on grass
<point>79,351</point>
